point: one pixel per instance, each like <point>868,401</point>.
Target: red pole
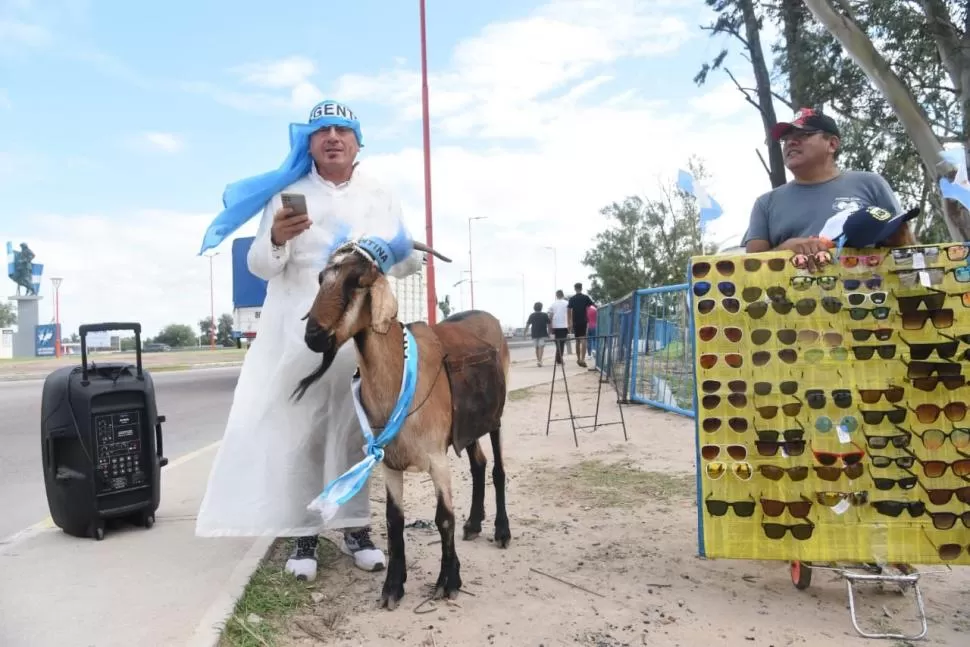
<point>428,223</point>
<point>57,321</point>
<point>212,310</point>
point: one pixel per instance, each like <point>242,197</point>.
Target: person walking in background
<point>576,318</point>
<point>558,313</point>
<point>539,324</point>
<point>591,329</point>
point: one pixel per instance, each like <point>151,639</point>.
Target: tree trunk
<point>860,48</point>
<point>793,16</point>
<point>776,163</point>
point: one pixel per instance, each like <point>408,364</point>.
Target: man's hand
<point>287,227</point>
<point>810,253</point>
<point>807,246</point>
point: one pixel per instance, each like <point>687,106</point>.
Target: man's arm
<point>264,259</point>
<point>757,238</point>
<point>412,264</point>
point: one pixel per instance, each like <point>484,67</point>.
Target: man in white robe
<point>277,454</point>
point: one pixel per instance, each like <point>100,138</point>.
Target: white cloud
<point>291,75</point>
<point>143,268</point>
<point>15,34</point>
<point>165,142</point>
<point>581,140</point>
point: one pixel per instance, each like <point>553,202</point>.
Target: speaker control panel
<point>120,465</point>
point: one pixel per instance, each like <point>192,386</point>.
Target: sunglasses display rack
<point>832,405</point>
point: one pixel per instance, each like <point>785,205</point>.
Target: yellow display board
<point>832,406</point>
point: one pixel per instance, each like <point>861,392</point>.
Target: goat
<point>355,302</point>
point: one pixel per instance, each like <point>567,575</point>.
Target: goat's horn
<point>421,247</point>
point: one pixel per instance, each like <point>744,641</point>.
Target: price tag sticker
<point>924,278</point>
<point>784,454</point>
<point>843,435</point>
<point>841,507</point>
<point>919,261</point>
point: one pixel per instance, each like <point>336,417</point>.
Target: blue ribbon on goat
<point>345,486</point>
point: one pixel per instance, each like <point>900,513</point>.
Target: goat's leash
<point>345,486</point>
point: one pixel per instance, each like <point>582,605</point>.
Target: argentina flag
<point>37,269</point>
<point>710,209</point>
<point>11,260</point>
<point>37,272</point>
<point>959,188</point>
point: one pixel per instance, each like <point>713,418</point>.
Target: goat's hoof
<point>469,534</point>
<point>449,581</point>
<point>441,593</point>
<point>502,537</point>
<point>390,598</point>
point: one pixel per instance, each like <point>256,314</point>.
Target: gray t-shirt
<point>798,210</point>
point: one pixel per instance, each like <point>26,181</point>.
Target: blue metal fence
<point>652,356</point>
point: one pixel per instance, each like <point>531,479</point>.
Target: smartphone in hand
<point>296,202</point>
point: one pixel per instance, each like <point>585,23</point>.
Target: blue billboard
<point>45,336</point>
<point>248,290</point>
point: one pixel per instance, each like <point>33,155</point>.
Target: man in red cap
<point>792,216</point>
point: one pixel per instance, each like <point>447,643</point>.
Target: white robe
<point>277,455</point>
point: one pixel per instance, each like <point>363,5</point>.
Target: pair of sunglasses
<point>732,333</point>
<point>702,269</point>
<point>719,508</point>
<point>724,287</point>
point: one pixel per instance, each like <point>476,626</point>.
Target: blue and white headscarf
<point>246,198</point>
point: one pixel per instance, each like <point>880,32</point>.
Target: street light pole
<point>426,127</point>
<point>471,276</point>
<point>56,282</point>
<point>212,304</point>
<point>461,292</point>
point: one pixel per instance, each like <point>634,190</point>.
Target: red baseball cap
<point>806,119</point>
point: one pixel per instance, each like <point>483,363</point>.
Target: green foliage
<point>648,241</point>
<point>177,335</point>
<point>223,330</point>
<point>810,68</point>
<point>8,315</point>
<point>445,306</point>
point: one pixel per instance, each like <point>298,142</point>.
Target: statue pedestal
<point>27,319</point>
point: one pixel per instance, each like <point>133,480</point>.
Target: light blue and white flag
<point>37,269</point>
<point>710,209</point>
<point>959,188</point>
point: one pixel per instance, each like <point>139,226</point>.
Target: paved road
<point>195,404</point>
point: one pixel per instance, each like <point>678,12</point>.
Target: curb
<point>208,632</point>
<point>164,368</point>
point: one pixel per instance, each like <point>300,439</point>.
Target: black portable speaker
<point>101,441</point>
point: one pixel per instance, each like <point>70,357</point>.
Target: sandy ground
<point>604,553</point>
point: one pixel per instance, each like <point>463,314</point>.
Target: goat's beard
<point>308,381</point>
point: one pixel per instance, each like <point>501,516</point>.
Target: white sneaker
<point>303,560</point>
<point>367,556</point>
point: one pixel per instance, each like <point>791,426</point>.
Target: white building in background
<point>6,343</point>
<point>412,296</point>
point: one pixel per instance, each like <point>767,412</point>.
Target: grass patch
<point>274,596</point>
<point>170,367</point>
<point>521,394</point>
<point>596,483</point>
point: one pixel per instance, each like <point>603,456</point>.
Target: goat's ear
<point>383,305</point>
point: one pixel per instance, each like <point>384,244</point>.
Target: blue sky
<point>121,122</point>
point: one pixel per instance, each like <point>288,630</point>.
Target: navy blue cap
<point>872,226</point>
